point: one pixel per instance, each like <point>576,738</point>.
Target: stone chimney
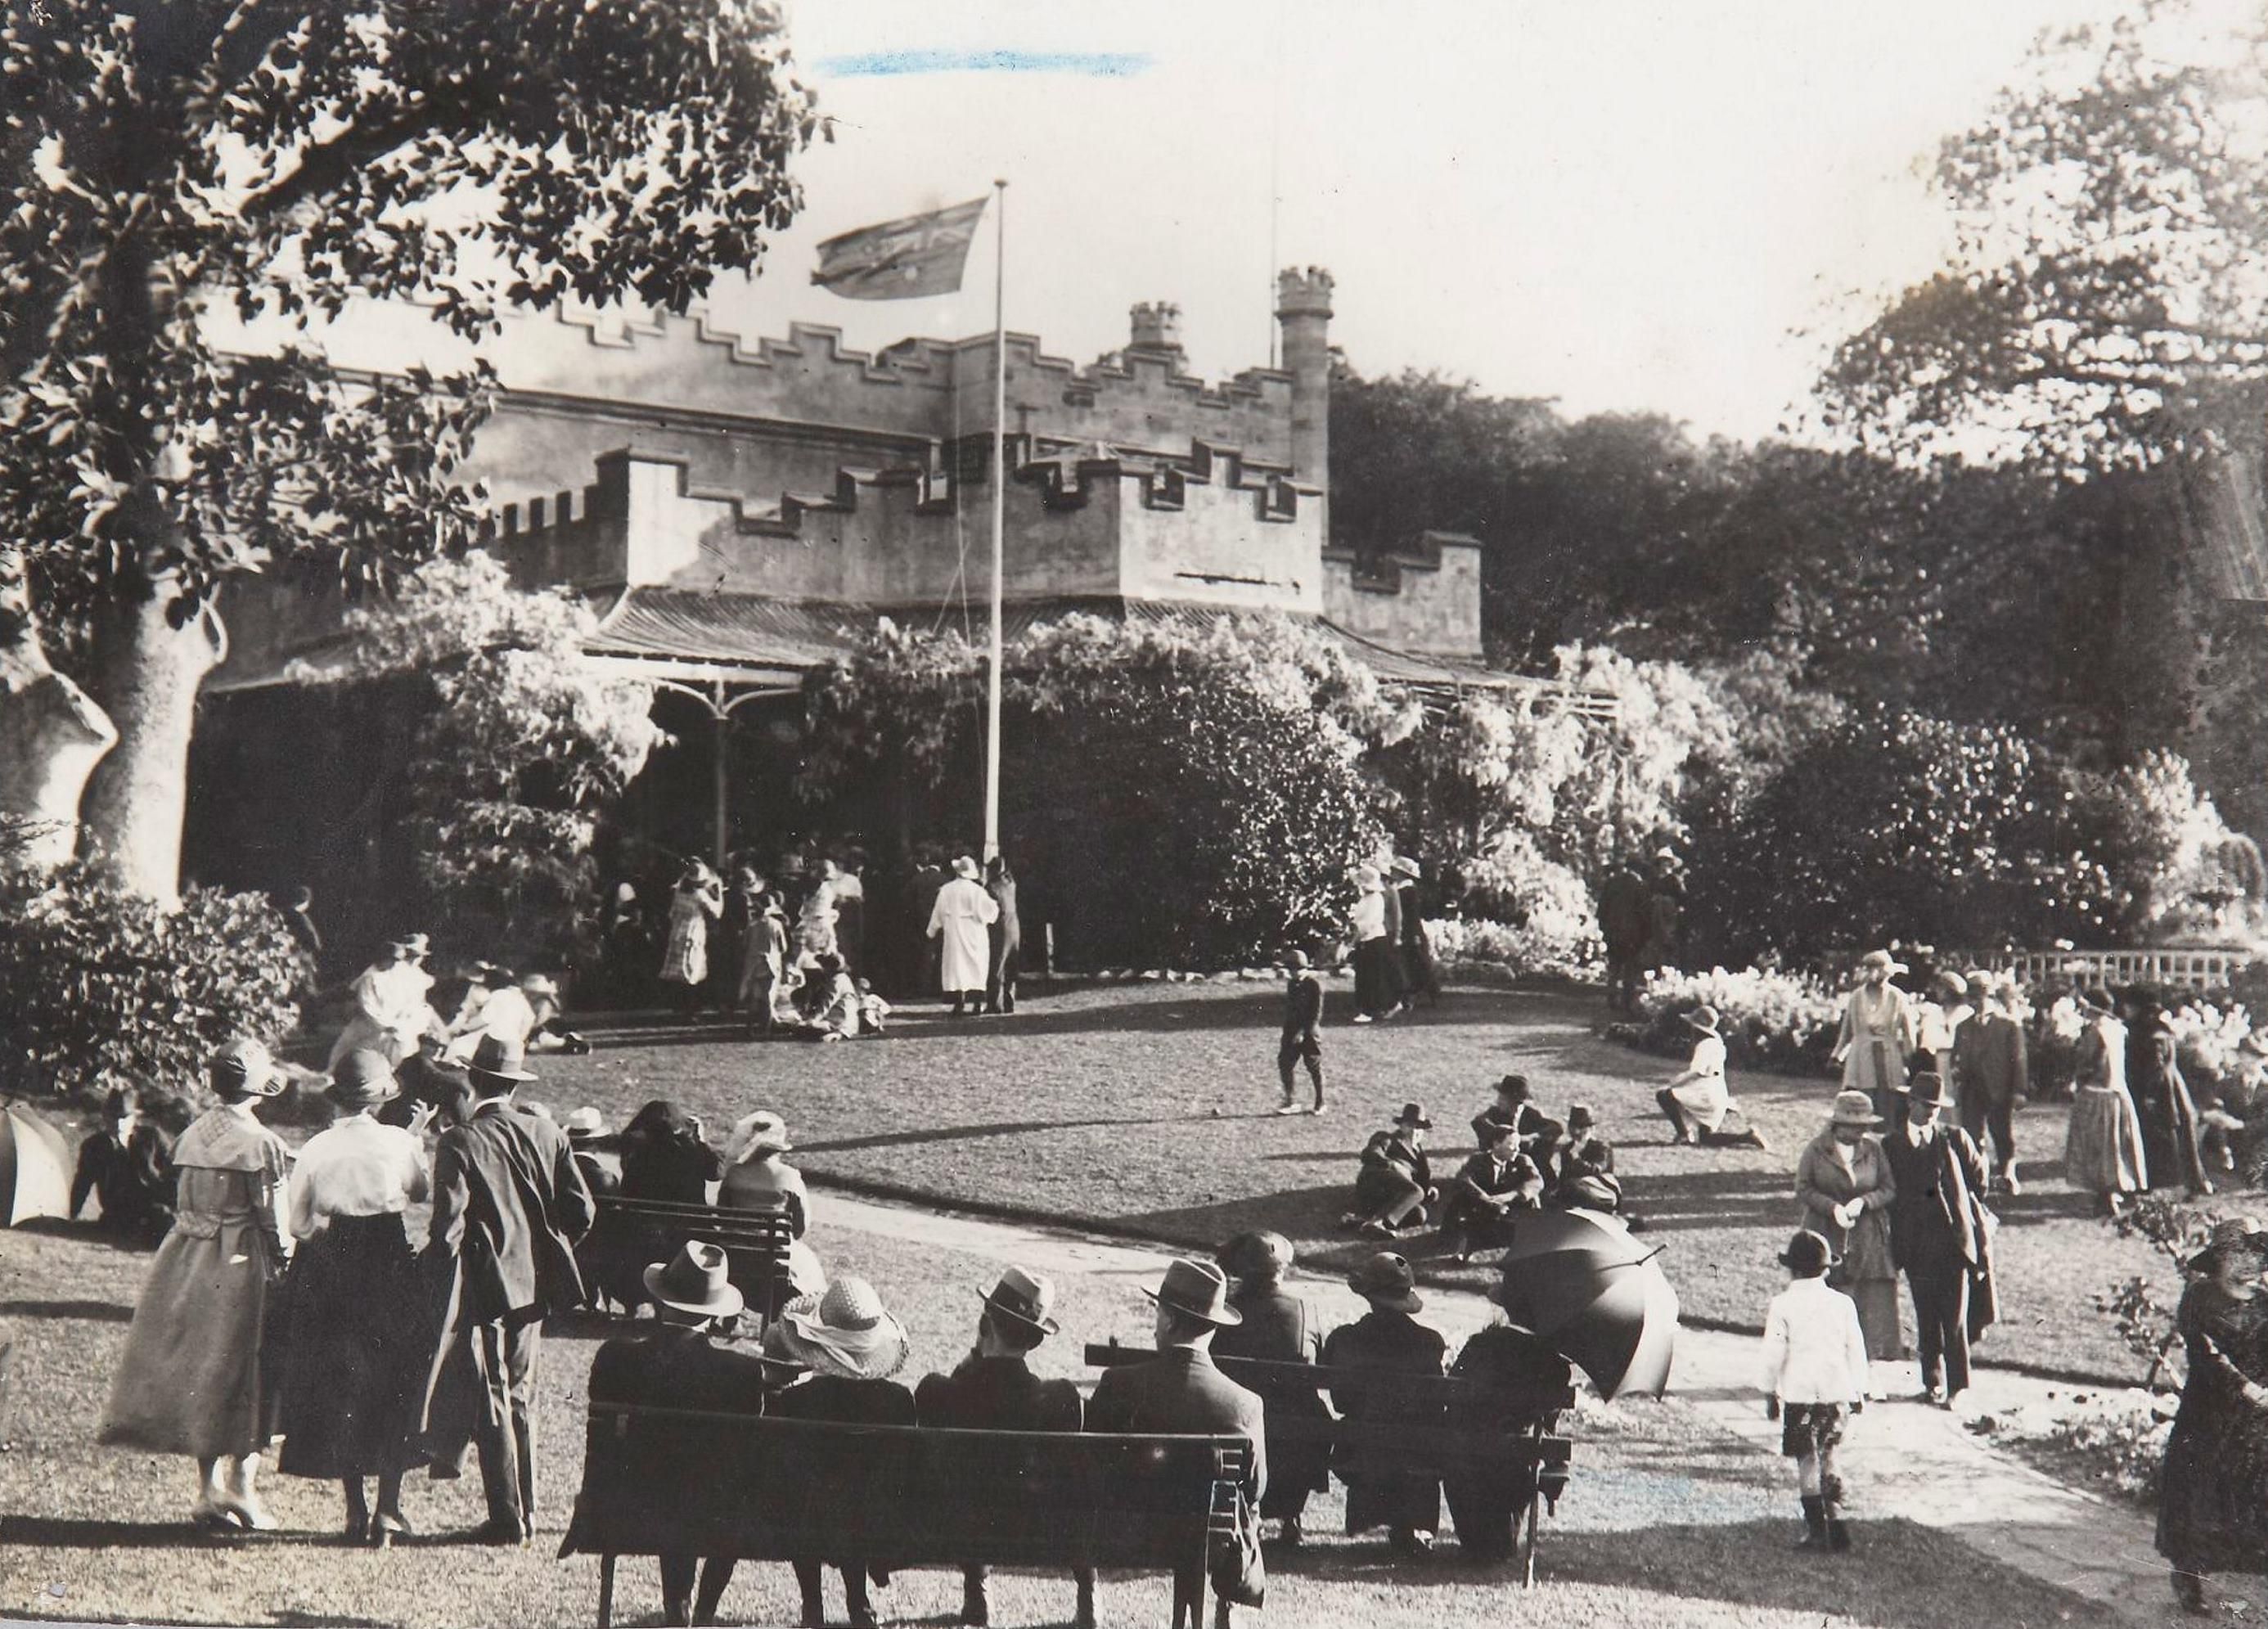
<point>1157,328</point>
<point>1303,306</point>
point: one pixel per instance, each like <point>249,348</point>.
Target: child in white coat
<point>1815,1370</point>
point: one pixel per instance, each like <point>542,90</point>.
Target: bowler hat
<point>363,1078</point>
<point>244,1068</point>
<point>1927,1086</point>
<point>1386,1280</point>
<point>696,1279</point>
<point>1806,1253</point>
<point>1197,1288</point>
<point>497,1063</point>
<point>1025,1298</point>
<point>1413,1115</point>
<point>1853,1108</point>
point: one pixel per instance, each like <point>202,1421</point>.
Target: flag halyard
<point>908,259</point>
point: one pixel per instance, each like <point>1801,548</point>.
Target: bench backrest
<point>1417,1393</point>
<point>770,1489</point>
<point>754,1239</point>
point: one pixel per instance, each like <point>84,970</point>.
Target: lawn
<point>1669,1521</point>
<point>1146,1108</point>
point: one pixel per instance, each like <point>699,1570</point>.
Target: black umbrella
<point>1579,1279</point>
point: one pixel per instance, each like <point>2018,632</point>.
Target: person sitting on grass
<point>1385,1341</point>
<point>1698,1104</point>
<point>1394,1183</point>
<point>838,1013</point>
<point>1303,1019</point>
<point>1582,1127</point>
<point>1588,1183</point>
<point>127,1161</point>
<point>1815,1371</point>
<point>1494,1186</point>
<point>873,1012</point>
<point>1535,1133</point>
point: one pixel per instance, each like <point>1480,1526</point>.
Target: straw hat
<point>966,867</point>
<point>244,1068</point>
<point>1853,1108</point>
<point>696,1279</point>
<point>1405,866</point>
<point>846,1332</point>
<point>1367,879</point>
<point>584,1122</point>
<point>364,1079</point>
<point>1881,959</point>
<point>1199,1289</point>
<point>1703,1018</point>
<point>1386,1280</point>
<point>759,1134</point>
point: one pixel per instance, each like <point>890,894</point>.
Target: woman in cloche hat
<point>1880,1030</point>
<point>361,1334</point>
<point>1843,1182</point>
<point>2103,1143</point>
<point>189,1381</point>
<point>1698,1102</point>
<point>2212,1511</point>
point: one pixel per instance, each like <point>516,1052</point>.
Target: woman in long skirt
<point>1842,1181</point>
<point>2212,1509</point>
<point>362,1336</point>
<point>191,1381</point>
<point>697,901</point>
<point>2162,1102</point>
<point>1374,994</point>
<point>2103,1149</point>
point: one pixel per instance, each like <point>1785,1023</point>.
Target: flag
<point>902,258</point>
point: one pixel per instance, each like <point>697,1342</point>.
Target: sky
<point>1669,205</point>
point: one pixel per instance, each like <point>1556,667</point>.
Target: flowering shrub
<point>1533,950</point>
<point>1783,1021</point>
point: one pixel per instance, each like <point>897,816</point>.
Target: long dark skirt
<point>360,1349</point>
<point>1377,984</point>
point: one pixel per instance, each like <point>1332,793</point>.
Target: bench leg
<point>607,1590</point>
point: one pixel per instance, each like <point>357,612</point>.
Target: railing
<point>2198,968</point>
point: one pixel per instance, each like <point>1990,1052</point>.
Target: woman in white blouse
<point>361,1339</point>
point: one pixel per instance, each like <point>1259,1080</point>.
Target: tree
<point>162,161</point>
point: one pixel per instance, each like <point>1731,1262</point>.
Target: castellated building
<point>741,511</point>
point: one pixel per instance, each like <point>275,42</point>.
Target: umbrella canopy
<point>1579,1279</point>
<point>35,1167</point>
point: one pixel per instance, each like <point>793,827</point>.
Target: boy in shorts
<point>1303,1017</point>
<point>1815,1373</point>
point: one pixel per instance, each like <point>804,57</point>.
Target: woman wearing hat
<point>853,1347</point>
<point>1418,968</point>
<point>1842,1181</point>
<point>191,1381</point>
<point>2212,1511</point>
<point>696,900</point>
<point>361,1334</point>
<point>1385,1341</point>
<point>1698,1104</point>
<point>960,922</point>
<point>1880,1030</point>
<point>392,1010</point>
<point>1280,1327</point>
<point>756,1179</point>
<point>2163,1104</point>
<point>1376,990</point>
<point>2102,1150</point>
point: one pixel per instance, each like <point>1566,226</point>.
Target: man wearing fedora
<point>1991,1073</point>
<point>509,1204</point>
<point>1534,1133</point>
<point>1493,1186</point>
<point>1387,1340</point>
<point>994,1390</point>
<point>675,1362</point>
<point>1394,1183</point>
<point>1180,1391</point>
<point>1937,1232</point>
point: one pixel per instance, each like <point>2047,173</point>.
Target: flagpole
<point>1000,514</point>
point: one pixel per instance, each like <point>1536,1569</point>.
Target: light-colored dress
<point>191,1380</point>
<point>1828,1173</point>
<point>2102,1148</point>
<point>752,1184</point>
<point>1707,1099</point>
<point>391,1014</point>
<point>1879,1029</point>
<point>692,907</point>
<point>958,922</point>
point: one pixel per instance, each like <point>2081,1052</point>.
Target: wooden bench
<point>1529,1446</point>
<point>755,1241</point>
<point>772,1490</point>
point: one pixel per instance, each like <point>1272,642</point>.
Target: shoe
<point>1934,1394</point>
<point>2189,1589</point>
<point>1756,1141</point>
<point>1318,1109</point>
<point>389,1526</point>
<point>1952,1400</point>
<point>974,1607</point>
<point>676,1614</point>
<point>1376,1229</point>
<point>1364,1018</point>
<point>357,1532</point>
<point>864,1616</point>
<point>1292,1536</point>
<point>1815,1523</point>
<point>2009,1185</point>
<point>211,1514</point>
<point>501,1530</point>
<point>1838,1534</point>
<point>249,1514</point>
<point>1288,1107</point>
<point>814,1616</point>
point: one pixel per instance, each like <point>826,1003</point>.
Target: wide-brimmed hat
<point>1580,1114</point>
<point>1255,1255</point>
<point>1405,866</point>
<point>1703,1018</point>
<point>584,1122</point>
<point>1199,1289</point>
<point>364,1079</point>
<point>1951,984</point>
<point>696,1279</point>
<point>1853,1108</point>
<point>2230,1236</point>
<point>497,1062</point>
<point>1386,1280</point>
<point>966,867</point>
<point>1806,1253</point>
<point>1368,878</point>
<point>539,984</point>
<point>1927,1086</point>
<point>1883,959</point>
<point>761,1132</point>
<point>845,1331</point>
<point>415,944</point>
<point>1023,1298</point>
<point>1414,1113</point>
<point>244,1068</point>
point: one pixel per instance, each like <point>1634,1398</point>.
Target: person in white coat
<point>958,922</point>
<point>391,1014</point>
<point>1815,1373</point>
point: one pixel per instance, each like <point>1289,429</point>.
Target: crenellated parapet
<point>1423,596</point>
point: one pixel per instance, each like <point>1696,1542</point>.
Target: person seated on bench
<point>1382,1491</point>
<point>1281,1328</point>
<point>675,1362</point>
<point>1180,1391</point>
<point>664,1158</point>
<point>852,1345</point>
<point>1394,1183</point>
<point>1494,1185</point>
<point>1526,1380</point>
<point>994,1390</point>
<point>756,1178</point>
<point>1534,1133</point>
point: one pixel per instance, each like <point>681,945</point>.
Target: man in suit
<point>1181,1391</point>
<point>1935,1237</point>
<point>1991,1073</point>
<point>1494,1184</point>
<point>1279,1327</point>
<point>1395,1182</point>
<point>995,1390</point>
<point>675,1362</point>
<point>1536,1134</point>
<point>128,1163</point>
<point>509,1204</point>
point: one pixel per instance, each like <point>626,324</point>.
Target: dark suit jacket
<point>508,1206</point>
<point>669,1366</point>
<point>1990,1064</point>
<point>134,1180</point>
<point>853,1402</point>
<point>1933,1220</point>
<point>1381,1489</point>
<point>998,1393</point>
<point>1281,1327</point>
<point>1181,1391</point>
<point>1390,1147</point>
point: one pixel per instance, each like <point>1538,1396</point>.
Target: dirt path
<point>1901,1458</point>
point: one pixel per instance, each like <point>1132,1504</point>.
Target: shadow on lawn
<point>1003,1128</point>
<point>72,1533</point>
<point>90,1311</point>
<point>1686,1201</point>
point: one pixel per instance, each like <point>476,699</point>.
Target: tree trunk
<point>51,736</point>
<point>146,674</point>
